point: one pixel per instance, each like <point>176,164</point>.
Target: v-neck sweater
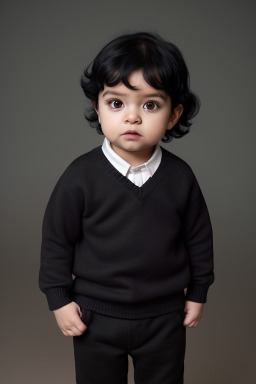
<point>123,250</point>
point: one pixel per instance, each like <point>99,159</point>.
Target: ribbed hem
<point>57,298</point>
<point>132,311</point>
<point>197,293</point>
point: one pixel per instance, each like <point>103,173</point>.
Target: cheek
<point>109,121</point>
<point>158,120</point>
<point>110,115</point>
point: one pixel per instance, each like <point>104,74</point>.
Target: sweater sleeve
<point>198,236</point>
<point>61,229</point>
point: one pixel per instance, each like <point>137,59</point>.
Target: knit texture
<point>123,250</point>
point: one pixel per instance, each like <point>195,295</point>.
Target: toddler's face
<point>146,111</point>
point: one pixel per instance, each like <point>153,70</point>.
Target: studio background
<point>45,46</point>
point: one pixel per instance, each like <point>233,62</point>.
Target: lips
<point>132,132</point>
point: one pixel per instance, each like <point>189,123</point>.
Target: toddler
<point>127,244</point>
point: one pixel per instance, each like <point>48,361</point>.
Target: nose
<point>132,116</point>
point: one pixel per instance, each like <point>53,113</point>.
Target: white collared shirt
<point>138,175</point>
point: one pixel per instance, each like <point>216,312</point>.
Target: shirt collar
<point>123,166</point>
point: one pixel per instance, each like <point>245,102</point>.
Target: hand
<point>68,319</point>
<point>194,312</point>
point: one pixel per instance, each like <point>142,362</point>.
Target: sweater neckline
<point>147,187</point>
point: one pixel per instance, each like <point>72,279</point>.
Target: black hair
<point>163,67</point>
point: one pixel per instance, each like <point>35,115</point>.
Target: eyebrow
<point>160,95</point>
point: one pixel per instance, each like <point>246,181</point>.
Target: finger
<point>70,332</point>
<point>77,331</point>
<point>67,331</point>
<point>190,324</point>
<point>64,332</point>
<point>81,328</point>
<point>187,322</point>
<point>194,323</point>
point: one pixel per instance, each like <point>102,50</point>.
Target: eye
<point>115,104</point>
<point>152,105</point>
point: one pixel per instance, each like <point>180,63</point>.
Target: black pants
<point>156,344</point>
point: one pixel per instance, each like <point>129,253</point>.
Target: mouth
<point>132,133</point>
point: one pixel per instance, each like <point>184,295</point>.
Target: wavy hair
<point>163,67</point>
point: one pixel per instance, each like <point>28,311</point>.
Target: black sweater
<point>124,250</point>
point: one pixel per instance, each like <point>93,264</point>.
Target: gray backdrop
<point>45,45</point>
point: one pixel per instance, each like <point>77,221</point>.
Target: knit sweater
<point>123,250</point>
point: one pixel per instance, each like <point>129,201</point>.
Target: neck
<point>134,158</point>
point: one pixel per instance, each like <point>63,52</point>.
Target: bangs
<point>121,75</point>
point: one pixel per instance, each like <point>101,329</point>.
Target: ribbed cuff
<point>57,298</point>
<point>197,293</point>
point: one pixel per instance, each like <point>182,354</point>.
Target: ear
<point>94,104</point>
<point>175,116</point>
